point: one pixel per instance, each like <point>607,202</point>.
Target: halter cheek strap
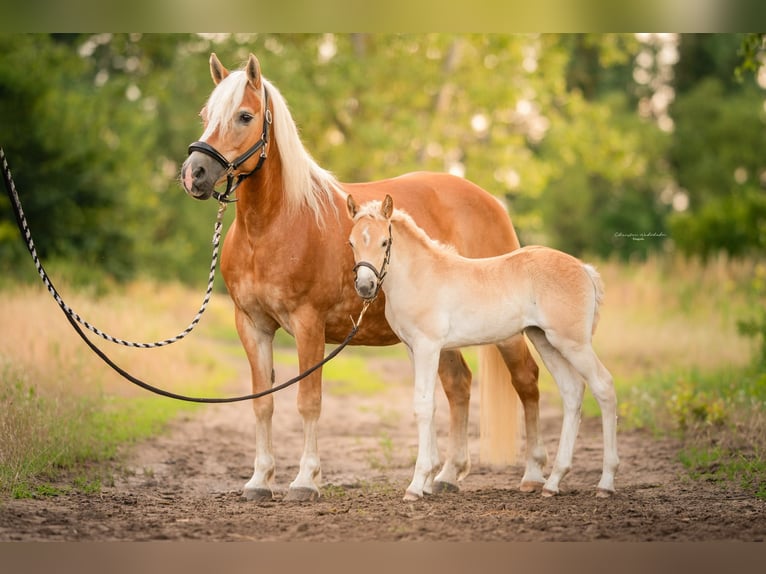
<point>232,166</point>
<point>379,275</point>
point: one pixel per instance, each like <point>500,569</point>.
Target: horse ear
<point>388,207</point>
<point>353,208</point>
<point>253,71</point>
<point>217,70</point>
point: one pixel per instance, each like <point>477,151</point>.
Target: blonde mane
<point>372,209</point>
<point>305,183</point>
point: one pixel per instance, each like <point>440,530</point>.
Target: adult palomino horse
<point>286,264</point>
<point>430,305</point>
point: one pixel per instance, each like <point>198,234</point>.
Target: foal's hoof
<point>530,486</point>
<point>302,494</point>
<point>604,493</point>
<point>410,496</point>
<point>257,495</point>
<point>440,487</point>
<point>548,493</point>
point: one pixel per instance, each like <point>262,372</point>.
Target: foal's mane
<point>372,209</point>
<point>305,183</point>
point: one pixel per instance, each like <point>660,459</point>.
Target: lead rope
<point>27,236</point>
<point>73,318</point>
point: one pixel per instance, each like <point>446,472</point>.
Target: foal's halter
<point>232,166</point>
<point>379,275</point>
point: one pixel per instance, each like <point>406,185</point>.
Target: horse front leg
<point>455,377</point>
<point>310,341</point>
<point>425,364</point>
<point>257,342</point>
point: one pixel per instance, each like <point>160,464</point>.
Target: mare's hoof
<point>529,486</point>
<point>604,493</point>
<point>548,493</point>
<point>302,494</point>
<point>411,496</point>
<point>257,495</point>
<point>440,487</point>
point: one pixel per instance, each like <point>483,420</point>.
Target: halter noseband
<point>232,166</point>
<point>379,275</point>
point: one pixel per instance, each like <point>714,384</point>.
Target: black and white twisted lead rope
<point>27,236</point>
<point>73,318</point>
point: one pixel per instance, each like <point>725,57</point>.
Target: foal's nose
<point>365,288</point>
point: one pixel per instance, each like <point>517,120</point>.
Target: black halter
<point>232,166</point>
<point>379,275</point>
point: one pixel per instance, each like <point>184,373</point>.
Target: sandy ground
<point>186,485</point>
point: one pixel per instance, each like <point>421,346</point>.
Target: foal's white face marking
<point>366,249</point>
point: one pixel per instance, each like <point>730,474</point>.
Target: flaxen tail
<point>598,285</point>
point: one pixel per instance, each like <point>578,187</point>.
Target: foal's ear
<point>253,71</point>
<point>353,208</point>
<point>217,70</point>
<point>388,207</point>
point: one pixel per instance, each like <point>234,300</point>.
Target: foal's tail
<point>598,286</point>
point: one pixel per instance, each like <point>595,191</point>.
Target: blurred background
<point>608,146</point>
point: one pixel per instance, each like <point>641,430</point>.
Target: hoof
<point>411,496</point>
<point>548,493</point>
<point>257,495</point>
<point>440,487</point>
<point>302,494</point>
<point>529,486</point>
<point>604,493</point>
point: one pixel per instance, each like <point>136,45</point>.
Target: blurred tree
<point>718,157</point>
<point>596,140</point>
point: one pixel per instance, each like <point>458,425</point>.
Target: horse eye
<point>245,117</point>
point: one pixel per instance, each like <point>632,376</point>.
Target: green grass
<point>668,333</point>
<point>53,441</point>
<point>64,416</point>
<point>349,373</point>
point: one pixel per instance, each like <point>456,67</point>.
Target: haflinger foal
<point>436,299</point>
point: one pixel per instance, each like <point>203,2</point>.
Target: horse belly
<point>480,326</point>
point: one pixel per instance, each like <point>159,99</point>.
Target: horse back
<point>450,209</point>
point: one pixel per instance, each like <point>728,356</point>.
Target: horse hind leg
<point>571,388</point>
<point>524,377</point>
<point>455,377</point>
<point>585,361</point>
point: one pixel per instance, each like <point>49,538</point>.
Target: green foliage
<point>604,189</point>
<point>95,127</point>
<point>754,326</point>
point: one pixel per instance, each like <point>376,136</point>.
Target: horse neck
<point>411,249</point>
<point>261,199</point>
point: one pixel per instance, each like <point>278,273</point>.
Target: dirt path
<point>186,485</point>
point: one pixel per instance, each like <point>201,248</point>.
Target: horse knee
<point>310,401</point>
<point>263,408</point>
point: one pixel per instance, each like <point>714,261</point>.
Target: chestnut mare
<point>286,263</point>
<point>549,295</point>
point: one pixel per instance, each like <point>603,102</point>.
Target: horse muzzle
<point>199,175</point>
<point>366,280</point>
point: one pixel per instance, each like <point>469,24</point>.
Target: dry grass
<point>667,333</point>
<point>670,315</point>
<point>60,405</point>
